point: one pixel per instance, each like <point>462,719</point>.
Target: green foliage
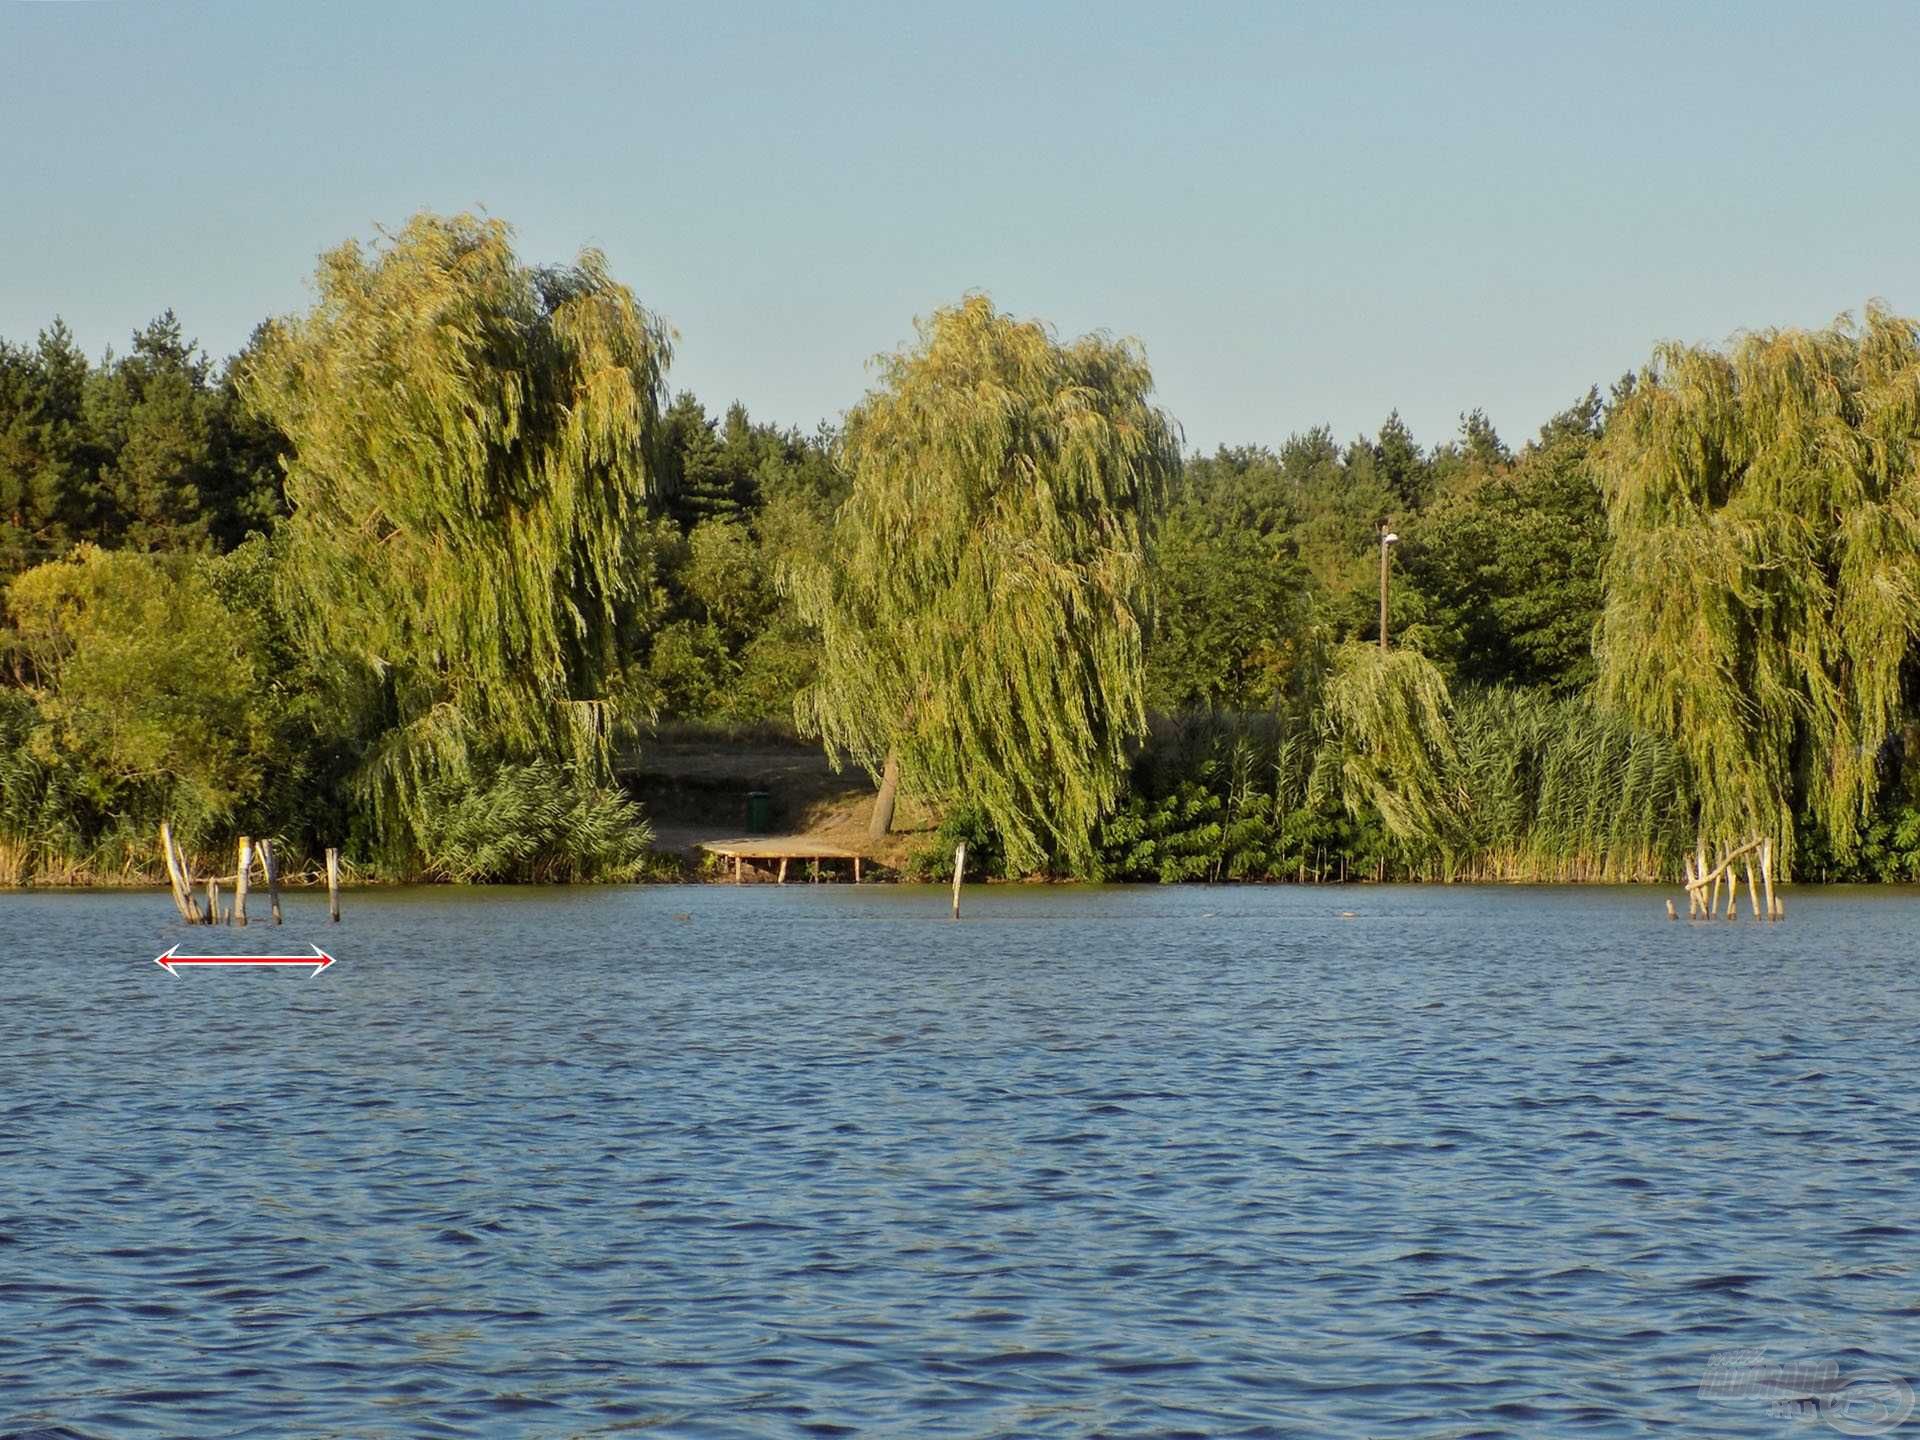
<point>1318,507</point>
<point>1887,852</point>
<point>48,492</point>
<point>537,822</point>
<point>980,612</point>
<point>1764,586</point>
<point>1338,507</point>
<point>398,571</point>
<point>1400,463</point>
<point>688,669</point>
<point>149,451</point>
<point>1219,797</point>
<point>1388,720</point>
<point>1501,784</point>
<point>1174,838</point>
<point>160,686</point>
<point>732,652</point>
<point>1396,777</point>
<point>1510,559</point>
<point>1558,790</point>
<point>704,481</point>
<point>154,414</point>
<point>472,444</point>
<point>145,677</point>
<point>723,579</point>
<point>1233,618</point>
<point>986,857</point>
<point>47,823</point>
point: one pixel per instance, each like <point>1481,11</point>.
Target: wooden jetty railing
<point>253,853</point>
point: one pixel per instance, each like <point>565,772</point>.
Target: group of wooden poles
<point>180,876</point>
<point>1703,885</point>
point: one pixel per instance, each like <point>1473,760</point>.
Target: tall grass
<point>1394,777</point>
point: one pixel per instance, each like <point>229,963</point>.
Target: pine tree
<point>48,496</point>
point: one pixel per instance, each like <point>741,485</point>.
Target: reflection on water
<point>815,1160</point>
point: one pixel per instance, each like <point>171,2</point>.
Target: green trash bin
<point>759,812</point>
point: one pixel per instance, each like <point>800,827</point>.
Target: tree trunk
<point>883,802</point>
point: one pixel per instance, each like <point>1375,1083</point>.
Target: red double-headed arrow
<point>319,960</point>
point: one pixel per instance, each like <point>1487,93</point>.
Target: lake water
<point>816,1161</point>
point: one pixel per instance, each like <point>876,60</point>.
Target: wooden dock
<point>780,850</point>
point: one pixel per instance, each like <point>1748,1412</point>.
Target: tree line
<point>418,564</point>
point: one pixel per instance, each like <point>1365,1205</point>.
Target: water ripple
<point>816,1161</point>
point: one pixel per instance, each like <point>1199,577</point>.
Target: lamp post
<point>1387,539</point>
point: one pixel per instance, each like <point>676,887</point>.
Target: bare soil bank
<point>696,788</point>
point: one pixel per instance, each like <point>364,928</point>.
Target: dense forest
<point>411,571</point>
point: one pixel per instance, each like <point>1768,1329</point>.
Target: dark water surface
<point>814,1160</point>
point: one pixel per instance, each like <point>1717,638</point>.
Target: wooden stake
<point>739,876</point>
<point>1672,914</point>
<point>333,885</point>
<point>272,867</point>
<point>959,870</point>
<point>782,878</point>
<point>856,869</point>
<point>1753,889</point>
<point>1766,876</point>
<point>176,881</point>
<point>213,901</point>
<point>241,872</point>
<point>1693,895</point>
<point>186,879</point>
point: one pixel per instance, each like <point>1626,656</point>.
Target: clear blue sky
<point>1307,213</point>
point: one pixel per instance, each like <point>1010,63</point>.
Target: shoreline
<point>895,879</point>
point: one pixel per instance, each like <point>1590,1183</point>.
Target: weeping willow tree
<point>1764,585</point>
<point>981,608</point>
<point>471,447</point>
<point>1387,719</point>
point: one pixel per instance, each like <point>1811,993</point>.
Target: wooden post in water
<point>240,877</point>
<point>856,869</point>
<point>213,901</point>
<point>1753,889</point>
<point>1766,876</point>
<point>1672,914</point>
<point>194,916</point>
<point>959,870</point>
<point>333,884</point>
<point>781,879</point>
<point>176,879</point>
<point>272,866</point>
